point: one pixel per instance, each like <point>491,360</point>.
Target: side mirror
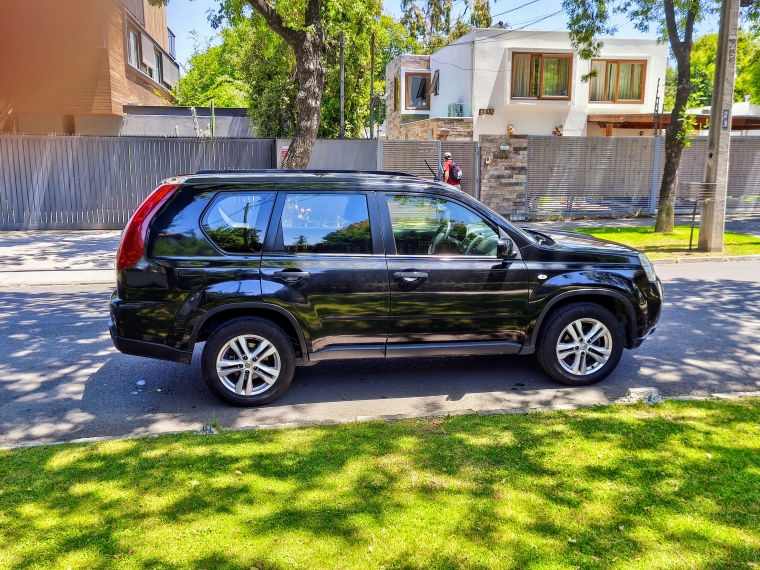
<point>505,249</point>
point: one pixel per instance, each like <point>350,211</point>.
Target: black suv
<point>276,269</point>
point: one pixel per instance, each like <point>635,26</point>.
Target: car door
<point>447,282</point>
<point>327,267</point>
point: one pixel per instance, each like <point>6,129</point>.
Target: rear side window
<point>326,223</point>
<point>237,222</point>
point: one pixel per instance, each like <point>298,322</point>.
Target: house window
<point>396,89</point>
<point>158,70</point>
<point>541,76</point>
<point>133,47</point>
<point>417,96</point>
<point>435,83</point>
<point>618,81</point>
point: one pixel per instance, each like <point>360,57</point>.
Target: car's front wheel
<point>248,362</point>
<point>580,344</point>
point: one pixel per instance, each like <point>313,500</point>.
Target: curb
<point>674,260</point>
<point>395,418</point>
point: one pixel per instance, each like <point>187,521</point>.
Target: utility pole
<point>713,218</point>
<point>342,86</point>
<point>372,89</point>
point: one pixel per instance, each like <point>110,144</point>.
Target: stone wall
<point>393,117</point>
<point>440,128</point>
<point>503,174</point>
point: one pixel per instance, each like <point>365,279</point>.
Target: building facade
<point>495,82</point>
<point>71,67</point>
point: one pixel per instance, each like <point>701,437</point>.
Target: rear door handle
<point>410,275</point>
<point>292,274</point>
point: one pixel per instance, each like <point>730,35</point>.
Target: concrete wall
<point>165,121</point>
<point>331,154</point>
<point>454,66</point>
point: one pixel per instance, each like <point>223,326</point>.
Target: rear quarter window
<point>237,221</point>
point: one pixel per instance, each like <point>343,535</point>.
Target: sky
<point>188,15</point>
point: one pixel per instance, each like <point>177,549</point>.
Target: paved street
<point>61,379</point>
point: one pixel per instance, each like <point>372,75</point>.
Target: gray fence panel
<point>465,154</point>
<point>614,175</point>
<point>65,182</point>
<point>410,157</point>
<point>602,175</point>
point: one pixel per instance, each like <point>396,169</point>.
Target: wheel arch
<point>614,301</point>
<point>217,316</point>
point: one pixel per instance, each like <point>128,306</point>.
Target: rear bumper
<point>148,349</point>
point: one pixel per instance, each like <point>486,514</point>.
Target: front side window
<point>618,81</point>
<point>237,223</point>
<point>541,76</point>
<point>326,223</point>
<point>424,225</point>
<point>417,91</point>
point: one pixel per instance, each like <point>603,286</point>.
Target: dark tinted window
<point>326,223</point>
<point>423,225</point>
<point>237,222</point>
<point>176,230</point>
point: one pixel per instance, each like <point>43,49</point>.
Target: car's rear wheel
<point>248,362</point>
<point>580,344</point>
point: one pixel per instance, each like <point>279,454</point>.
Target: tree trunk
<point>310,74</point>
<point>673,134</point>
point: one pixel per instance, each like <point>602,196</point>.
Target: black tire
<point>252,327</point>
<point>556,324</point>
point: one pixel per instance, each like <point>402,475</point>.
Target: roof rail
<point>284,171</point>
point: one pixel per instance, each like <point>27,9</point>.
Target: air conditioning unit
<point>456,110</point>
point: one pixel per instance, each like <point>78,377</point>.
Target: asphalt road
<point>61,379</point>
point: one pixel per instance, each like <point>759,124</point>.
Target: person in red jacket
<point>448,174</point>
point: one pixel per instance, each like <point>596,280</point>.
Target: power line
<point>513,9</point>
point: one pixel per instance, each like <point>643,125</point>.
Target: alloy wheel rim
<point>584,347</point>
<point>248,365</point>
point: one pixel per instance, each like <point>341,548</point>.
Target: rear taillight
<point>132,243</point>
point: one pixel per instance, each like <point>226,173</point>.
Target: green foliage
<point>214,72</point>
<point>481,14</point>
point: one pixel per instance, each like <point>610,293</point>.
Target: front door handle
<point>292,275</point>
<point>410,275</point>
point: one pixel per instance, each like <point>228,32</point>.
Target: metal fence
<point>76,182</point>
<point>410,156</point>
<point>622,175</point>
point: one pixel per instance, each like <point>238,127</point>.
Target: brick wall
<point>440,128</point>
<point>503,179</point>
<point>393,117</point>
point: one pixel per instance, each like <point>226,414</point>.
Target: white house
<point>529,79</point>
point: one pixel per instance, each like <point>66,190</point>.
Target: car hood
<point>573,241</point>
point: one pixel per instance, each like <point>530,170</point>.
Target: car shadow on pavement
<point>61,378</point>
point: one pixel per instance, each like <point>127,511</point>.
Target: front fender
<point>562,286</point>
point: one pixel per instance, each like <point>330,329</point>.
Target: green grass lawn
<point>672,486</point>
<point>676,244</point>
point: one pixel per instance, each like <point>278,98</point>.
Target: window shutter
<point>147,51</point>
<point>168,66</point>
<point>171,71</point>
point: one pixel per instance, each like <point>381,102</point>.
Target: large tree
<point>588,20</point>
<point>308,27</point>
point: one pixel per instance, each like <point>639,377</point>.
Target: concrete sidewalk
<point>57,257</point>
<point>36,258</point>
